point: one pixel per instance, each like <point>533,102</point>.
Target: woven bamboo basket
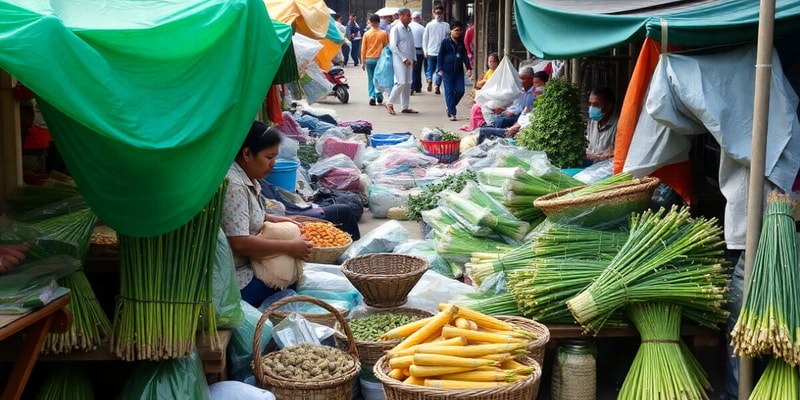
<point>369,352</point>
<point>527,389</point>
<point>340,388</point>
<point>327,319</point>
<point>601,207</point>
<point>384,279</point>
<point>323,255</point>
<point>542,334</point>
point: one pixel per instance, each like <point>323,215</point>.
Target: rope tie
<point>674,341</point>
<point>621,283</point>
<point>126,298</point>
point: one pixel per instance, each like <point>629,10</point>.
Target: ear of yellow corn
<point>427,371</point>
<point>477,336</point>
<point>451,361</point>
<point>431,327</point>
<point>405,330</point>
<point>477,350</point>
<point>453,384</point>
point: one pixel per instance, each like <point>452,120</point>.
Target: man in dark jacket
<point>451,63</point>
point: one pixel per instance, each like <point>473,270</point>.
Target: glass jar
<point>575,371</point>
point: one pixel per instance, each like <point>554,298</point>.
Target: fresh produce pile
<point>668,257</point>
<point>308,362</point>
<point>769,323</point>
<point>458,348</point>
<point>427,199</point>
<point>440,135</point>
<point>323,234</point>
<point>664,368</point>
<point>166,285</point>
<point>370,329</point>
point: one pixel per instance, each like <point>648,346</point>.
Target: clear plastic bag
<point>330,145</point>
<point>321,167</point>
<point>29,278</point>
<point>596,172</point>
<point>181,378</point>
<point>288,149</point>
<point>234,390</point>
<point>382,239</point>
<point>294,330</point>
<point>426,250</point>
<point>383,78</point>
<point>305,48</point>
<point>314,84</point>
<point>382,198</point>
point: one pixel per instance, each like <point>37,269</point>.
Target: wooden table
<point>53,317</point>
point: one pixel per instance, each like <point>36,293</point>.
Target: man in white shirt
<point>435,32</point>
<point>401,42</point>
<point>417,29</point>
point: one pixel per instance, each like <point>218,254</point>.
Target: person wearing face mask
<point>601,131</point>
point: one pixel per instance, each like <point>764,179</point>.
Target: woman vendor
<point>243,214</point>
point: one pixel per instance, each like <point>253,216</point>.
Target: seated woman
<point>291,204</point>
<point>243,212</point>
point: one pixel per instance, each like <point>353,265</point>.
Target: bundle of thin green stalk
<point>507,223</point>
<point>779,381</point>
<point>539,166</point>
<point>90,325</point>
<point>444,219</point>
<point>521,206</point>
<point>657,239</point>
<point>555,242</point>
<point>517,180</point>
<point>599,186</point>
<point>457,241</point>
<point>490,303</point>
<point>33,197</point>
<point>769,322</point>
<point>165,288</point>
<point>67,382</point>
<point>663,368</point>
<point>542,286</point>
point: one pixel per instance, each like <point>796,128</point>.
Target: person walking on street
<point>401,42</point>
<point>354,34</point>
<point>435,31</point>
<point>374,41</point>
<point>417,30</point>
<point>344,52</point>
<point>452,61</point>
<point>469,41</point>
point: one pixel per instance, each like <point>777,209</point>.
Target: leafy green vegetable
<point>447,136</point>
<point>557,127</point>
<point>429,196</point>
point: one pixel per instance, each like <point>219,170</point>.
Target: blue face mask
<point>595,113</point>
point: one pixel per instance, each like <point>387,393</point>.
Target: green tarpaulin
<point>553,29</point>
<point>148,101</point>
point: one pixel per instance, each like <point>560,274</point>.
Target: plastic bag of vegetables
<point>226,288</point>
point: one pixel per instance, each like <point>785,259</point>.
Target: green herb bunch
<point>428,198</point>
<point>557,127</point>
<point>447,136</point>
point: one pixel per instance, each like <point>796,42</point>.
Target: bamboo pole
<point>507,27</point>
<point>755,200</point>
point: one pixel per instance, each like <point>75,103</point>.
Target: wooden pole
<point>755,199</point>
<point>10,141</point>
<point>507,27</point>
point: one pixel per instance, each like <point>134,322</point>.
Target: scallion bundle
<point>165,287</point>
<point>473,213</point>
<point>668,257</point>
<point>506,223</point>
<point>67,381</point>
<point>664,368</point>
<point>599,186</point>
<point>779,381</point>
<point>457,241</point>
<point>490,304</point>
<point>769,323</point>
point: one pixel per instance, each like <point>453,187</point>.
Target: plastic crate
<point>445,152</point>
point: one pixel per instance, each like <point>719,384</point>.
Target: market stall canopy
<point>553,29</point>
<point>310,18</point>
<point>148,101</point>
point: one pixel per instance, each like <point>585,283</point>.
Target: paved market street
<point>430,106</point>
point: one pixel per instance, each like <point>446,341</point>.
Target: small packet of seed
<point>294,330</point>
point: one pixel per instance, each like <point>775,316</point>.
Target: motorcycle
<point>336,77</point>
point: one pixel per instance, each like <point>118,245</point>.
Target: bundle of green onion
<point>67,382</point>
<point>460,242</point>
<point>599,186</point>
<point>520,181</point>
<point>473,213</point>
<point>490,303</point>
<point>779,381</point>
<point>668,257</point>
<point>664,368</point>
<point>165,287</point>
<point>769,322</point>
<point>521,206</point>
<point>506,223</point>
<point>443,220</point>
<point>555,241</point>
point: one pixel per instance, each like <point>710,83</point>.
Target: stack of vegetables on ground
<point>458,348</point>
<point>769,323</point>
<point>664,368</point>
<point>668,257</point>
<point>166,285</point>
<point>323,234</point>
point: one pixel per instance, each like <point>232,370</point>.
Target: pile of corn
<point>458,349</point>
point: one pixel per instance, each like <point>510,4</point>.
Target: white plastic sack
<point>305,49</point>
<point>502,89</point>
<point>235,390</point>
<point>382,198</point>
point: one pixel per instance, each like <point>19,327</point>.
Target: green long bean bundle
<point>165,287</point>
<point>663,368</point>
<point>769,322</point>
<point>67,382</point>
<point>668,257</point>
<point>779,381</point>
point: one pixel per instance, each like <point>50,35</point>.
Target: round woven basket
<point>527,389</point>
<point>340,388</point>
<point>540,331</point>
<point>369,352</point>
<point>384,279</point>
<point>615,202</point>
<point>323,255</point>
<point>327,319</point>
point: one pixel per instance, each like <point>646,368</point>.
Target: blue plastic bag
<point>383,78</point>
